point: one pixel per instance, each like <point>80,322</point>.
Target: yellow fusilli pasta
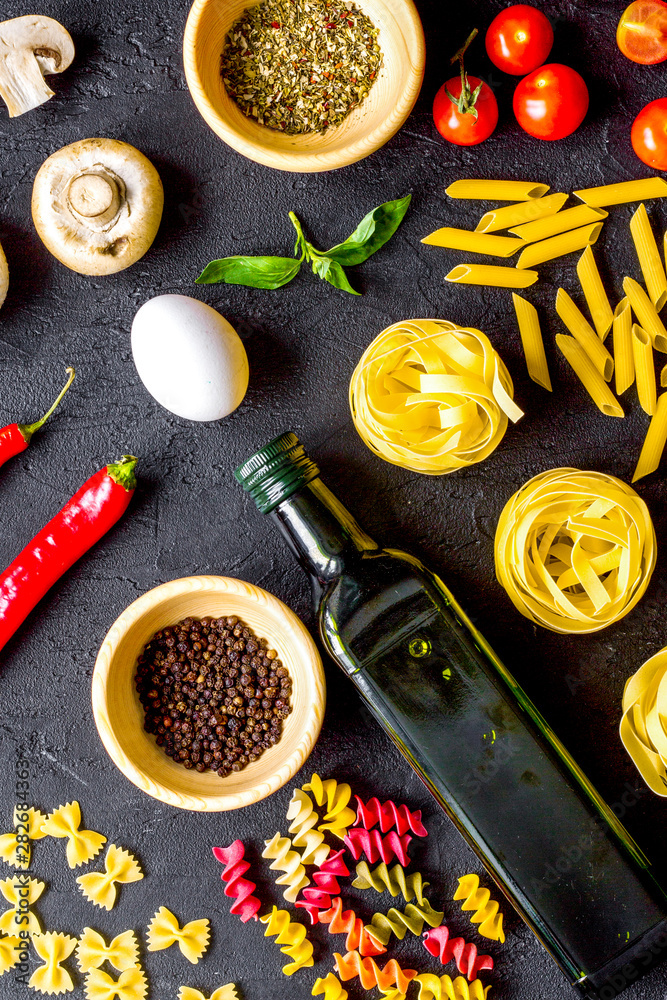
<point>288,861</point>
<point>293,936</point>
<point>338,816</point>
<point>486,910</point>
<point>444,988</point>
<point>301,812</point>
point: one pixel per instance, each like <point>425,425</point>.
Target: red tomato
<point>642,32</point>
<point>552,102</point>
<point>519,39</point>
<point>463,128</point>
<point>649,134</point>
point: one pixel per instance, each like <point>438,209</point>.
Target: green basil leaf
<point>256,272</point>
<point>331,271</point>
<point>372,233</point>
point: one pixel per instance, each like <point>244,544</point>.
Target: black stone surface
<point>303,341</point>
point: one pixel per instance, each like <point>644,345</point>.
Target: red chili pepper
<point>84,519</point>
<point>15,438</point>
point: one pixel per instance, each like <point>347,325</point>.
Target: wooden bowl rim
<point>310,722</point>
<point>300,161</point>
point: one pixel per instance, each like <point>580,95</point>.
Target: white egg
<point>189,357</point>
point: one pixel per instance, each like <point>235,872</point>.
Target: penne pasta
<point>523,211</point>
<point>624,192</point>
<point>533,344</point>
<point>646,313</point>
<point>624,362</point>
<point>649,257</point>
<point>654,443</point>
<point>589,376</point>
<point>596,297</point>
<point>644,369</point>
<point>663,377</point>
<point>558,246</point>
<point>491,275</point>
<point>584,334</point>
<point>464,239</point>
<point>562,222</point>
<point>484,190</point>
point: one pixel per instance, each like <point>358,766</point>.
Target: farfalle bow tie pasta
<point>10,952</point>
<point>130,985</point>
<point>575,550</point>
<point>100,887</point>
<point>643,726</point>
<point>432,397</point>
<point>165,930</point>
<point>15,847</point>
<point>53,949</point>
<point>82,845</point>
<point>227,992</point>
<point>20,892</point>
<point>93,951</point>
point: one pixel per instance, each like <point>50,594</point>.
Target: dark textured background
<point>303,342</point>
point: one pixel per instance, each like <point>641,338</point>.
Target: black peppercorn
<point>182,674</point>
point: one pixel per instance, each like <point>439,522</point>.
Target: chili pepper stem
<point>27,430</point>
<point>122,472</point>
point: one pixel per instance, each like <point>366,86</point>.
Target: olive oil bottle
<point>471,733</point>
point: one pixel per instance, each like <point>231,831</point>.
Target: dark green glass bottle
<point>471,733</point>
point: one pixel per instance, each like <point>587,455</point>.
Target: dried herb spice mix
<point>214,695</point>
<point>301,65</point>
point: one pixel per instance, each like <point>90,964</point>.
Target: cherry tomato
<point>649,134</point>
<point>462,127</point>
<point>552,102</point>
<point>642,32</point>
<point>519,39</point>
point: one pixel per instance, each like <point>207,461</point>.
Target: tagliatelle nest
<point>644,722</point>
<point>575,550</point>
<point>432,397</point>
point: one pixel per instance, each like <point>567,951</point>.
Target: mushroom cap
<point>97,205</point>
<point>31,47</point>
<point>4,276</point>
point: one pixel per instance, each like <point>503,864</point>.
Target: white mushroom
<point>31,47</point>
<point>4,276</point>
<point>97,205</point>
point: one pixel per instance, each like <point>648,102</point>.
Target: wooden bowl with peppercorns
<point>190,675</point>
<point>316,89</point>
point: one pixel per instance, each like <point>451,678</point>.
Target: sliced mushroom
<point>97,205</point>
<point>4,276</point>
<point>30,48</point>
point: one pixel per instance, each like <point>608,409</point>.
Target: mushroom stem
<point>92,196</point>
<point>95,197</point>
<point>30,48</point>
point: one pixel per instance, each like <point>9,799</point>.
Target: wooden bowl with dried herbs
<point>304,85</point>
<point>138,671</point>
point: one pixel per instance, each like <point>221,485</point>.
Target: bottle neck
<point>321,532</point>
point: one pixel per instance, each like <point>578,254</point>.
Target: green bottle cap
<point>276,471</point>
